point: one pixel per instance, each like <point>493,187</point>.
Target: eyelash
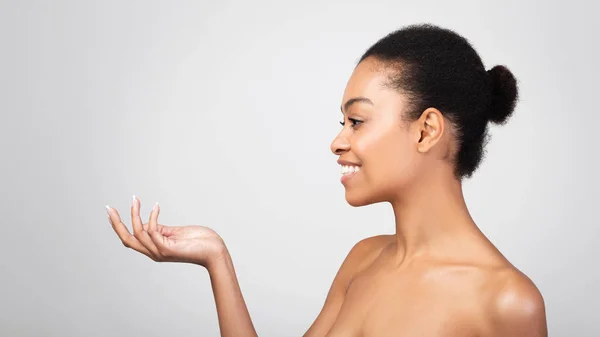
<point>355,122</point>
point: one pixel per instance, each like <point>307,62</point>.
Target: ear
<point>430,129</point>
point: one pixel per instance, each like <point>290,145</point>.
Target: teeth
<point>349,169</point>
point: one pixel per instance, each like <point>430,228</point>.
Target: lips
<point>344,162</point>
<point>347,176</point>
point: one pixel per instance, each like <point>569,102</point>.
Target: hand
<point>191,244</point>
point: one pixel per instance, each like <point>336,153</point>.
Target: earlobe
<point>431,127</point>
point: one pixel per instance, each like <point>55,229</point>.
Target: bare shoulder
<point>362,254</point>
<point>516,306</point>
<point>371,246</point>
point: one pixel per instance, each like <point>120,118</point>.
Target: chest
<point>380,304</point>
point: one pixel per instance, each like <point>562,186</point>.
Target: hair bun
<point>504,94</point>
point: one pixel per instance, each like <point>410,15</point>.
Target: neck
<point>432,218</point>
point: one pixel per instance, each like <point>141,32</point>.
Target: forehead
<point>369,79</point>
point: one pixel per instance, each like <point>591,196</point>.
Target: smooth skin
<point>438,275</point>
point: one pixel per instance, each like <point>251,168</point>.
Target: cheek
<point>400,164</point>
<point>391,160</point>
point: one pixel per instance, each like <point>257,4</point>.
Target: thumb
<point>162,244</point>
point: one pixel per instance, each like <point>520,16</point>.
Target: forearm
<point>234,319</point>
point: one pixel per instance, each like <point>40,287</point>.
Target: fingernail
<point>108,212</point>
<point>133,200</point>
<point>155,207</point>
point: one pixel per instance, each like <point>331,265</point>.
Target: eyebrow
<point>355,100</point>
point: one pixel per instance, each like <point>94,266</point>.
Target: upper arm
<point>356,259</point>
<point>519,310</point>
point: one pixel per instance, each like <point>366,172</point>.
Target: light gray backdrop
<point>224,113</point>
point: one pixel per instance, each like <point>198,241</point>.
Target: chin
<point>357,199</point>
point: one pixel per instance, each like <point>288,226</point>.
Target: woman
<point>416,110</point>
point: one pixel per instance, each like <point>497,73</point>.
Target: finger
<point>136,221</point>
<point>138,229</point>
<point>155,233</point>
<point>159,229</point>
<point>127,239</point>
<point>153,221</point>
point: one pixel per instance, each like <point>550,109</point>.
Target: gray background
<point>224,113</point>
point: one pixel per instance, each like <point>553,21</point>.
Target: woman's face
<point>374,138</point>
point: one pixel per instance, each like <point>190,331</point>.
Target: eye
<point>355,122</point>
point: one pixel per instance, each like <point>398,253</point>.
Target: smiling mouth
<point>349,171</point>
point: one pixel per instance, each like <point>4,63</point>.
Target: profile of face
<point>382,150</point>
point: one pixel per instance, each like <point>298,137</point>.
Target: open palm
<point>191,244</point>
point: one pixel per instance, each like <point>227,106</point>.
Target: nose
<point>340,144</point>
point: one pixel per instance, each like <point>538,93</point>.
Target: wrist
<point>219,259</point>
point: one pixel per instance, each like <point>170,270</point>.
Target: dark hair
<point>438,68</point>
